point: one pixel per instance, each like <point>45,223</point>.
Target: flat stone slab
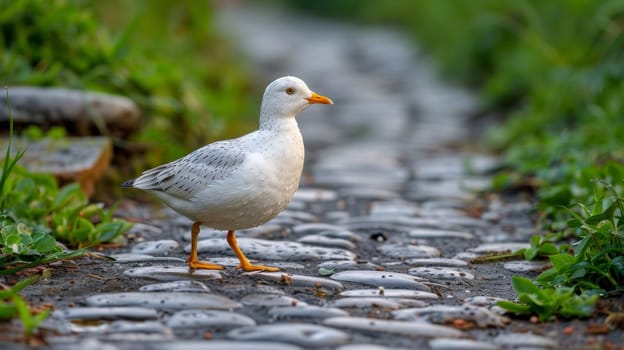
<point>62,106</point>
<point>403,328</point>
<point>525,340</point>
<point>172,273</point>
<point>397,250</point>
<point>441,262</point>
<point>314,195</point>
<point>527,266</point>
<point>297,280</point>
<point>262,249</point>
<point>271,300</point>
<point>308,335</point>
<point>432,233</point>
<point>345,265</point>
<point>481,316</point>
<point>305,312</point>
<point>460,344</point>
<point>377,302</point>
<point>224,345</point>
<point>498,247</point>
<point>382,279</point>
<point>132,258</point>
<point>176,286</point>
<point>209,319</point>
<point>443,273</point>
<point>72,159</point>
<point>164,300</point>
<point>160,247</point>
<point>106,313</point>
<point>323,240</point>
<point>389,293</point>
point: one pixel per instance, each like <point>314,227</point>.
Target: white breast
<point>260,189</point>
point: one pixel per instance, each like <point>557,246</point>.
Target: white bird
<point>239,183</point>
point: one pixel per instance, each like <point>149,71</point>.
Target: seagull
<point>238,183</point>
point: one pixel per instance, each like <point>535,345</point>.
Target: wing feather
<point>188,175</point>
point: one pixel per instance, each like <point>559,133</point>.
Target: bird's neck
<point>277,123</point>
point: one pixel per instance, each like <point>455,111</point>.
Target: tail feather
<point>129,183</point>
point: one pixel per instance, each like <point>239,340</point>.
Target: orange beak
<point>316,98</point>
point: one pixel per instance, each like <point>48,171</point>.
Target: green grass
<point>554,69</point>
<point>165,55</point>
<point>13,305</point>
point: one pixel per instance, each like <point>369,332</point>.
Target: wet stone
<point>325,241</point>
<point>380,302</point>
<point>162,247</point>
<point>440,273</point>
<point>398,250</point>
<point>138,327</point>
<point>299,216</point>
<point>344,265</point>
<point>427,189</point>
<point>106,313</point>
<point>176,286</point>
<point>364,347</point>
<point>163,300</point>
<point>132,258</point>
<point>481,316</point>
<point>460,344</point>
<point>389,293</point>
<point>341,234</point>
<point>297,280</point>
<point>209,319</point>
<point>305,312</point>
<point>270,300</point>
<point>308,335</point>
<point>314,195</point>
<point>312,228</point>
<point>526,340</point>
<point>368,193</point>
<point>527,266</point>
<point>498,247</point>
<point>382,279</point>
<point>403,328</point>
<point>394,207</point>
<point>224,345</point>
<point>144,231</point>
<point>172,273</point>
<point>432,233</point>
<point>445,262</point>
<point>482,300</point>
<point>273,250</point>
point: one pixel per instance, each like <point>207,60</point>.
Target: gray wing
<point>187,176</point>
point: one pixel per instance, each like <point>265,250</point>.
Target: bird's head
<point>287,96</point>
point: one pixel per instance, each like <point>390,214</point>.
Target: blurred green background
<point>552,71</point>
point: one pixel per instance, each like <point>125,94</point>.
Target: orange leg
<point>244,262</point>
<point>192,260</point>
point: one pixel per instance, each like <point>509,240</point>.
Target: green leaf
<point>81,230</point>
<point>514,307</point>
<point>523,285</point>
<point>108,231</point>
<point>548,249</point>
<point>45,244</point>
<point>561,261</point>
<point>530,253</point>
<point>67,194</point>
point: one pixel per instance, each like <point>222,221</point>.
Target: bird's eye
<point>290,91</point>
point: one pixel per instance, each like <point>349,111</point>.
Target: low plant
<point>595,267</point>
<point>13,305</point>
<point>549,302</point>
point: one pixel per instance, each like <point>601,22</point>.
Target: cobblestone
<point>375,249</point>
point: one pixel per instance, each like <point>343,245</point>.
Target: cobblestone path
<point>375,247</point>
